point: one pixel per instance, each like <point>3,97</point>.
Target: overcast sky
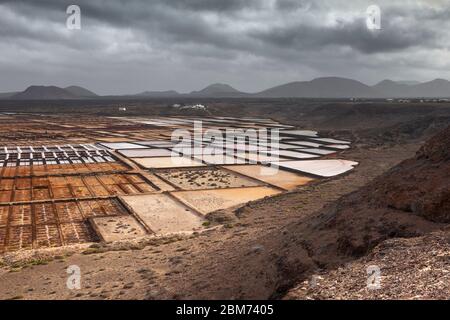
<point>128,46</point>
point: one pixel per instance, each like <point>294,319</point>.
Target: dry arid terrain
<point>315,242</point>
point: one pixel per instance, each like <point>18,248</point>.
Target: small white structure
<point>192,107</point>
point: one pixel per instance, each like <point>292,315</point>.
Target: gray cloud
<point>134,45</point>
<point>395,36</point>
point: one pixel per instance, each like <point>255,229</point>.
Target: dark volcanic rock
<point>410,200</point>
<point>420,185</point>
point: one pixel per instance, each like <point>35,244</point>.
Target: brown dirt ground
<point>414,268</point>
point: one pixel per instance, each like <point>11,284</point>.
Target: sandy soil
<point>282,179</point>
<point>208,201</point>
<point>171,216</point>
<point>205,179</point>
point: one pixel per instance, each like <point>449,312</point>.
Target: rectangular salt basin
<point>260,158</point>
<point>256,140</point>
<point>156,123</point>
<point>240,146</point>
<point>167,162</point>
<point>206,201</point>
<point>205,178</point>
<point>293,154</point>
<point>257,146</point>
<point>322,168</point>
<point>219,159</point>
<point>145,153</point>
<point>121,145</point>
<point>162,214</point>
<point>304,143</point>
<point>274,176</point>
<point>198,150</point>
<point>282,146</point>
<point>117,228</point>
<point>337,146</point>
<point>162,144</point>
<point>333,141</point>
<point>306,133</point>
<point>318,151</point>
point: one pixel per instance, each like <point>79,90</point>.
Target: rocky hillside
<point>410,200</point>
<point>419,186</point>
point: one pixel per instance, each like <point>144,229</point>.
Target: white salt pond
<point>322,168</point>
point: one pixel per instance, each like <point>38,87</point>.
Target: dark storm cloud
<point>175,20</point>
<point>289,5</point>
<point>219,40</point>
<point>120,11</point>
<point>395,36</point>
<point>182,21</point>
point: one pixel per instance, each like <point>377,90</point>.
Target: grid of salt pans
<point>64,154</point>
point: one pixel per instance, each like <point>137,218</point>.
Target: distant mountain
<point>53,93</point>
<point>334,87</point>
<point>330,87</point>
<point>158,94</point>
<point>393,89</point>
<point>408,82</point>
<point>6,95</point>
<point>218,90</point>
<point>81,92</point>
<point>44,93</point>
<point>327,87</point>
<point>438,88</point>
